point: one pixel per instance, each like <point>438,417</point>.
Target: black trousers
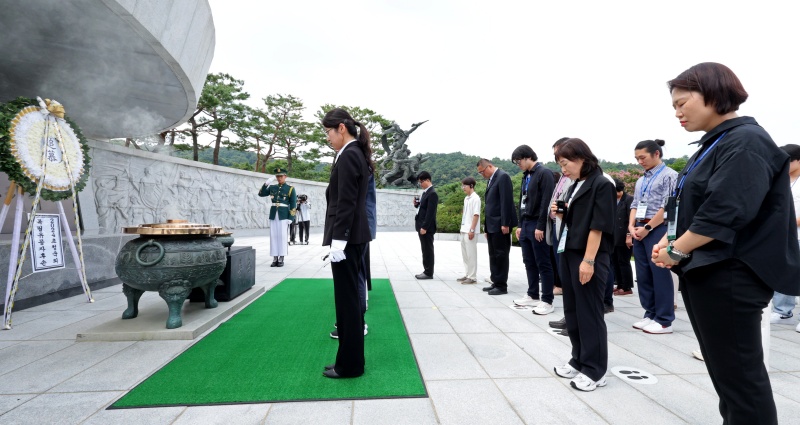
<point>349,319</point>
<point>499,248</point>
<point>621,262</point>
<point>583,311</point>
<point>725,302</point>
<point>304,227</point>
<point>292,231</point>
<point>426,241</point>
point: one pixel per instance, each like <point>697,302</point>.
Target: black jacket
<point>623,216</point>
<point>499,203</point>
<point>739,194</point>
<point>592,208</point>
<point>426,215</point>
<point>346,216</point>
<point>540,188</point>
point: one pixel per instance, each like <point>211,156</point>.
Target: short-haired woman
<point>731,238</point>
<point>585,243</point>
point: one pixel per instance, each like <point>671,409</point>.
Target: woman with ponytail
<point>347,232</point>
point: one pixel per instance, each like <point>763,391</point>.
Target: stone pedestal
<point>238,277</point>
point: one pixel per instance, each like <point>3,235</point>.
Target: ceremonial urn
<point>172,258</point>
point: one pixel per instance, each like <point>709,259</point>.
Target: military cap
<point>279,171</point>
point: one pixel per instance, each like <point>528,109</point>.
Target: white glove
<point>269,181</point>
<point>337,251</point>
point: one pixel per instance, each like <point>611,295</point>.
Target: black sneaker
<point>608,309</point>
<point>559,324</point>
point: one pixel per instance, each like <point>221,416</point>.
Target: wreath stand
<point>18,253</point>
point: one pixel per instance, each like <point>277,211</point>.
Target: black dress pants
<point>621,261</point>
<point>426,241</point>
<point>349,319</point>
<point>305,226</point>
<point>583,311</point>
<point>725,301</point>
<point>499,248</point>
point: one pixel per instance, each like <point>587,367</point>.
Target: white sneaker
<point>527,301</point>
<point>584,383</point>
<point>657,328</point>
<point>699,355</point>
<point>642,323</point>
<point>543,308</point>
<point>797,328</point>
<point>566,371</point>
<point>777,318</point>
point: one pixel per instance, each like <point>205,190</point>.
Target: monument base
<point>238,277</point>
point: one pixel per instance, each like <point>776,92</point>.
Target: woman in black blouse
<point>585,242</point>
<point>732,238</point>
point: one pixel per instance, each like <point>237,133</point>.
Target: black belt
<point>646,220</point>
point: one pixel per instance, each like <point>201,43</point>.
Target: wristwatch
<point>648,227</point>
<point>472,230</point>
<point>675,254</point>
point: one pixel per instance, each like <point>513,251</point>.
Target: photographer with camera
<point>425,222</point>
<point>303,218</point>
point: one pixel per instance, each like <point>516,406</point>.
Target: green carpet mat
<point>275,350</point>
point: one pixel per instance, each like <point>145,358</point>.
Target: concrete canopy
<point>121,68</point>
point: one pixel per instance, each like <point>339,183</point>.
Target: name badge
<point>641,210</point>
<point>562,242</point>
<point>522,202</point>
<point>671,215</point>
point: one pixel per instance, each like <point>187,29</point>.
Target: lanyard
<point>647,182</point>
<point>694,165</point>
<point>527,180</point>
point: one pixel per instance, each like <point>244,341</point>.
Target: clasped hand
<point>337,251</point>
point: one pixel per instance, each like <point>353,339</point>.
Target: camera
<point>416,201</point>
<point>561,207</point>
<point>302,198</point>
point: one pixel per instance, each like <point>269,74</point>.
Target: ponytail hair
<point>652,146</point>
<point>337,116</point>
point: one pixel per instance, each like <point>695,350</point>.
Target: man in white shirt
<point>470,217</point>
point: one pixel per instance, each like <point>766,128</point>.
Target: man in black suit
<point>621,257</point>
<point>500,216</point>
<point>425,222</point>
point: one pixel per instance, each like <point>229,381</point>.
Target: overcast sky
<point>491,75</point>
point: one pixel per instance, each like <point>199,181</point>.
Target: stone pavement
<point>483,362</point>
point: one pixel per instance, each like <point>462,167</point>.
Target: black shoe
<point>564,332</point>
<point>330,367</point>
<point>608,309</point>
<point>280,264</point>
<point>559,324</point>
<point>335,334</point>
<point>423,276</point>
<point>488,288</point>
<point>274,264</point>
<point>498,291</point>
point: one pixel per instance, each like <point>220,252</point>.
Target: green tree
<point>224,106</point>
<point>373,121</point>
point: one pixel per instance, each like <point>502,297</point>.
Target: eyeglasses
<point>515,161</point>
<point>481,171</point>
<point>328,130</point>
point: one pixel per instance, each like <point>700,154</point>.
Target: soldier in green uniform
<point>281,214</point>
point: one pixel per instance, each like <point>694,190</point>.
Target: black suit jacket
<point>592,208</point>
<point>426,215</point>
<point>346,216</point>
<point>499,200</point>
<point>623,215</point>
